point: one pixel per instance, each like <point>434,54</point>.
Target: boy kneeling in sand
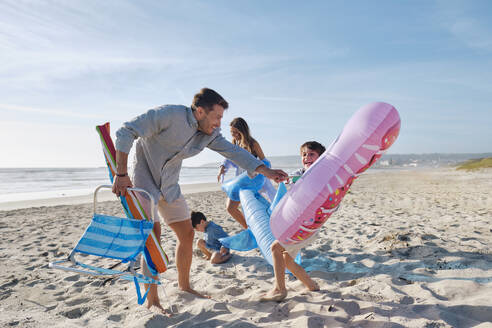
<point>210,246</point>
<point>284,255</point>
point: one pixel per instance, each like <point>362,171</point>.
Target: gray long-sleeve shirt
<point>167,135</point>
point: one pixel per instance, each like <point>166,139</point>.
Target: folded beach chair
<point>155,257</point>
<point>122,239</point>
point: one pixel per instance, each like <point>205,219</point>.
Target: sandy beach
<point>408,248</point>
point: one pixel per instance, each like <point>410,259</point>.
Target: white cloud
<point>472,32</point>
<point>465,21</point>
<point>48,112</point>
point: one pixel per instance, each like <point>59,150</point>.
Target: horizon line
<point>204,164</point>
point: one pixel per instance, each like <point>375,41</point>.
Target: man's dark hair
<point>196,218</point>
<point>207,98</point>
<point>314,146</point>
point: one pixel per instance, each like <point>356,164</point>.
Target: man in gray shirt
<point>165,136</point>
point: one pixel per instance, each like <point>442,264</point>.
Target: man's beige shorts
<point>176,211</point>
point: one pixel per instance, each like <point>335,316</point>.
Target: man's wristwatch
<point>121,174</point>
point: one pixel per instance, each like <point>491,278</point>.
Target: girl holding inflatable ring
<point>241,136</point>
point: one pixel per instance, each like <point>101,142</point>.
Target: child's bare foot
<point>274,295</point>
<point>218,258</point>
<point>156,306</point>
<point>202,255</point>
<point>312,286</point>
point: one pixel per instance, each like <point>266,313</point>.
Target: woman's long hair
<point>247,141</point>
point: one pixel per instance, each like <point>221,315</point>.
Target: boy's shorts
<point>174,212</point>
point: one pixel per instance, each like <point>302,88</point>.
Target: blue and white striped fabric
<point>114,237</point>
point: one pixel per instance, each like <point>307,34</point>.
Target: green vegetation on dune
<point>475,164</point>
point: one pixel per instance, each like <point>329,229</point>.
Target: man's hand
<point>120,184</point>
<point>273,174</point>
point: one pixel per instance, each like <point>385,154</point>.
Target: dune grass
<point>475,164</point>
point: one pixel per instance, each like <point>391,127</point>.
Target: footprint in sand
<point>80,284</point>
<point>35,282</point>
<point>11,283</point>
<point>115,317</point>
<point>77,290</point>
<point>234,291</point>
<point>72,278</point>
<point>350,307</point>
<point>220,307</point>
<point>107,302</point>
<point>61,298</point>
<point>4,294</point>
<point>96,283</point>
<point>315,322</point>
<point>428,237</point>
<point>31,268</point>
<point>407,300</point>
<point>75,313</point>
<point>77,301</point>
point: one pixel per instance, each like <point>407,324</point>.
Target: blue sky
<point>296,71</point>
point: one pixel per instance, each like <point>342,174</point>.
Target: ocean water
<point>18,184</point>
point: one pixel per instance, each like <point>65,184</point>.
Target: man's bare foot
<point>155,306</point>
<point>274,295</point>
<point>313,286</point>
<point>194,292</point>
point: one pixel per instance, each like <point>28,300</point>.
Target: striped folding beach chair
<point>155,257</point>
<point>121,239</point>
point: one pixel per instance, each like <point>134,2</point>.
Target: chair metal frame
<point>129,273</point>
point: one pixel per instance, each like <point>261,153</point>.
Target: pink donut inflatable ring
<point>317,194</point>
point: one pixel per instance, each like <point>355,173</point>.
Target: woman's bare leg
<point>233,209</point>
